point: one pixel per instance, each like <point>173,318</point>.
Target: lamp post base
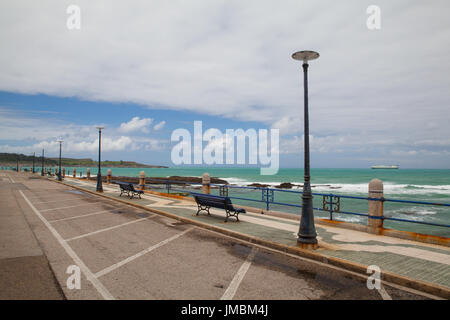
<point>307,243</point>
<point>99,184</point>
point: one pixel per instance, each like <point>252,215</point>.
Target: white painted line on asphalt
<point>82,216</point>
<point>71,199</point>
<point>79,205</point>
<point>384,293</point>
<point>88,273</point>
<point>12,180</point>
<point>235,283</point>
<point>106,229</point>
<point>140,254</point>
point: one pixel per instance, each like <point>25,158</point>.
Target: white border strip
<point>88,273</point>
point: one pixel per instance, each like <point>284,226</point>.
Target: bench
<point>207,201</point>
<point>129,189</point>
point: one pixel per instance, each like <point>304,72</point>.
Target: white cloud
<point>136,124</point>
<point>232,59</point>
<point>33,135</point>
<point>159,126</point>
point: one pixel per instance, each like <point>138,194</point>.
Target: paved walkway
<point>126,252</point>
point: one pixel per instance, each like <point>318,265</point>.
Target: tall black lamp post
<point>17,165</point>
<point>34,155</point>
<point>307,235</point>
<point>99,174</point>
<point>42,168</point>
<point>60,141</point>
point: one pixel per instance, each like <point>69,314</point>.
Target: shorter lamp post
<point>34,155</point>
<point>60,141</point>
<point>42,169</point>
<point>99,174</point>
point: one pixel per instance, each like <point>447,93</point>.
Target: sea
<point>427,185</point>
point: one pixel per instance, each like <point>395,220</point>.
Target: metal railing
<point>331,203</point>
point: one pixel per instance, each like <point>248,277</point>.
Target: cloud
<point>159,126</point>
<point>136,124</point>
<point>231,59</point>
<point>27,135</point>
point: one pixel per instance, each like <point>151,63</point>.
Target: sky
<point>145,68</point>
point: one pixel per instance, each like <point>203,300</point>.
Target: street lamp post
<point>42,169</point>
<point>99,174</point>
<point>60,151</point>
<point>17,165</point>
<point>307,236</point>
<point>34,154</point>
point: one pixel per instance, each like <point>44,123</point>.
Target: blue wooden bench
<point>207,201</point>
<point>128,189</point>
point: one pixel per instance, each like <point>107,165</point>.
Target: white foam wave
<point>355,188</point>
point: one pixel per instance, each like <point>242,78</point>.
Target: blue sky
<point>376,96</point>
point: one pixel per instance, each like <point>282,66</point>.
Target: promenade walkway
<point>129,252</point>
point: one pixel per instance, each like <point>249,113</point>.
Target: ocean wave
<point>355,188</point>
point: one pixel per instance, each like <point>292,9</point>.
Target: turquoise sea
<point>429,185</point>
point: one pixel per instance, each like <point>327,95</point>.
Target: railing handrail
<point>267,200</point>
<point>300,192</point>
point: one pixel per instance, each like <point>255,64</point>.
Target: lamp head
<point>305,55</point>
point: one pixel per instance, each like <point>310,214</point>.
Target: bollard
<point>56,171</point>
<point>74,172</point>
<point>64,172</point>
<point>88,173</point>
<point>109,176</point>
<point>45,171</point>
<point>206,180</point>
<point>142,180</point>
<point>375,207</point>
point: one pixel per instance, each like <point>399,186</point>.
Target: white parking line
<point>79,205</point>
<point>235,283</point>
<point>82,216</point>
<point>71,199</point>
<point>88,273</point>
<point>384,293</point>
<point>106,229</point>
<point>140,254</point>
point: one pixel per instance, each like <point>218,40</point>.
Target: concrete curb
<point>418,285</point>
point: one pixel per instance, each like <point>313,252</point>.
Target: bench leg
<point>235,214</point>
<point>200,208</point>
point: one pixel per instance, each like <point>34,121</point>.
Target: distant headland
<point>10,159</point>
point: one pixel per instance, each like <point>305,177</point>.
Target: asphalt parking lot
<point>128,253</point>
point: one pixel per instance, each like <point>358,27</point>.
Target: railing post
<point>206,183</point>
<point>267,199</point>
<point>74,172</point>
<point>109,176</point>
<point>331,206</point>
<point>88,173</point>
<point>64,172</point>
<point>375,207</point>
<point>142,180</point>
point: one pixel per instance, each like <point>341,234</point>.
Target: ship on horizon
<point>379,166</point>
